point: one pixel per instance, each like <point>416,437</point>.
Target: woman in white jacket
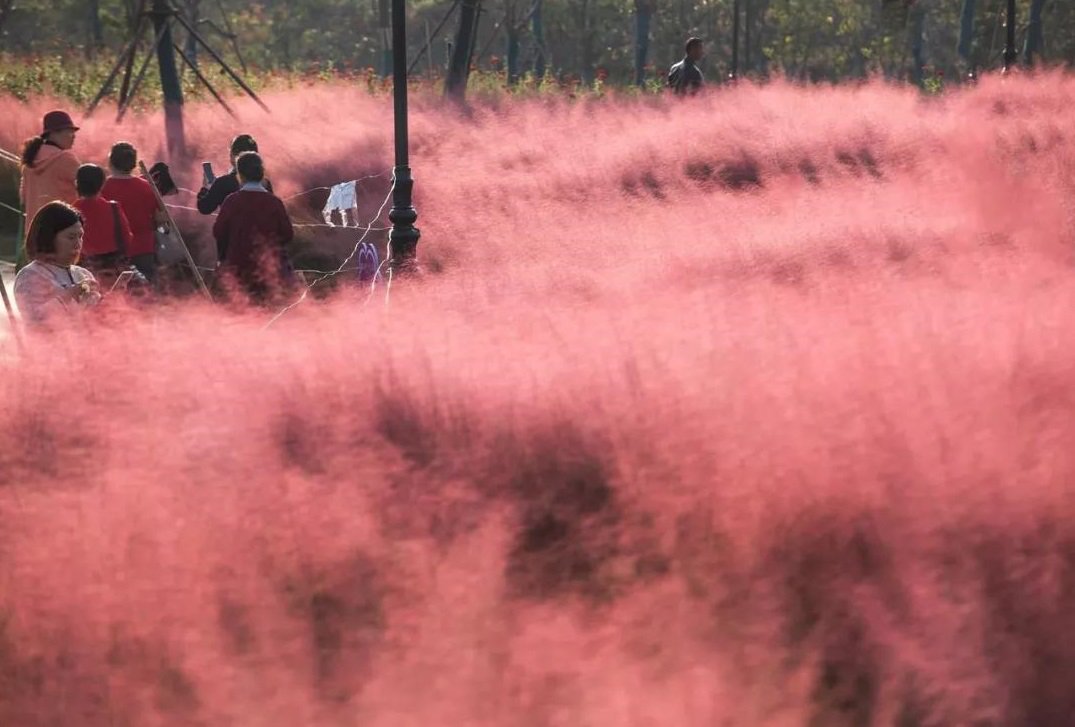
<point>52,289</point>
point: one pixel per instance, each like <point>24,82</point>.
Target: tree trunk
<point>193,17</point>
<point>735,40</point>
<point>455,85</point>
<point>6,6</point>
<point>1032,47</point>
<point>586,44</point>
<point>169,73</point>
<point>748,33</point>
<point>966,32</point>
<point>97,38</point>
<point>538,29</point>
<point>512,52</point>
<point>386,38</point>
<point>643,20</point>
<point>918,55</point>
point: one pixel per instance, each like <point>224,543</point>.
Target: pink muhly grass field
<point>757,409</point>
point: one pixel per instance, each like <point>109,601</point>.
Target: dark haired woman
<point>48,164</point>
<point>52,287</point>
<point>215,191</point>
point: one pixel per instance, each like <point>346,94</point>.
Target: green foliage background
<point>813,40</point>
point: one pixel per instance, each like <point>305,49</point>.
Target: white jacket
<point>45,292</point>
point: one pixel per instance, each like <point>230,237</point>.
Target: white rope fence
<point>304,193</point>
<point>343,265</point>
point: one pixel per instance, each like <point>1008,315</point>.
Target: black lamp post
<point>403,239</point>
<point>1010,53</point>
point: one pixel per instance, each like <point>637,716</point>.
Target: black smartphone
<point>207,172</point>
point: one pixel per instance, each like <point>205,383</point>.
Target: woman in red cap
<point>48,165</point>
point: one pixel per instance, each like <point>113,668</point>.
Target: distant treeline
<point>809,40</point>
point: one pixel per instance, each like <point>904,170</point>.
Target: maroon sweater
<point>252,230</point>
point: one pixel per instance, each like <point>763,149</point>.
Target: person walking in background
<point>52,288</point>
<point>215,191</point>
<point>139,203</point>
<point>684,78</point>
<point>252,232</point>
<point>107,233</point>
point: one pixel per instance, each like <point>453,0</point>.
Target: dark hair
<point>241,143</point>
<point>250,166</point>
<point>123,157</point>
<point>692,43</point>
<point>31,148</point>
<point>49,221</point>
<point>89,179</point>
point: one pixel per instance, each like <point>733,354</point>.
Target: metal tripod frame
<point>126,62</point>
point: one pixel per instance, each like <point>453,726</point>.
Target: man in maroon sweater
<point>252,232</point>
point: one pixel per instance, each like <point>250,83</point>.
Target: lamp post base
<point>404,236</point>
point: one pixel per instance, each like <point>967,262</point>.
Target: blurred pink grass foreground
<point>753,410</point>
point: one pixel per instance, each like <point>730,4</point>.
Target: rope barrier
<point>306,191</point>
<point>328,189</point>
<point>294,224</point>
<point>301,194</point>
<point>343,265</point>
<point>16,210</point>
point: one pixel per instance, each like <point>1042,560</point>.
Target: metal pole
<point>128,52</point>
<point>205,81</point>
<point>231,34</point>
<point>1010,53</point>
<point>403,238</point>
<point>220,61</point>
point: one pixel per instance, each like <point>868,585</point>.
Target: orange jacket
<point>51,177</point>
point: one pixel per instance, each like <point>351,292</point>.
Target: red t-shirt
<point>99,226</point>
<point>140,205</point>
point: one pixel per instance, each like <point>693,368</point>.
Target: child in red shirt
<point>139,202</point>
<point>107,233</point>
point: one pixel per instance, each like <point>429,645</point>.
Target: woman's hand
<point>86,292</point>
